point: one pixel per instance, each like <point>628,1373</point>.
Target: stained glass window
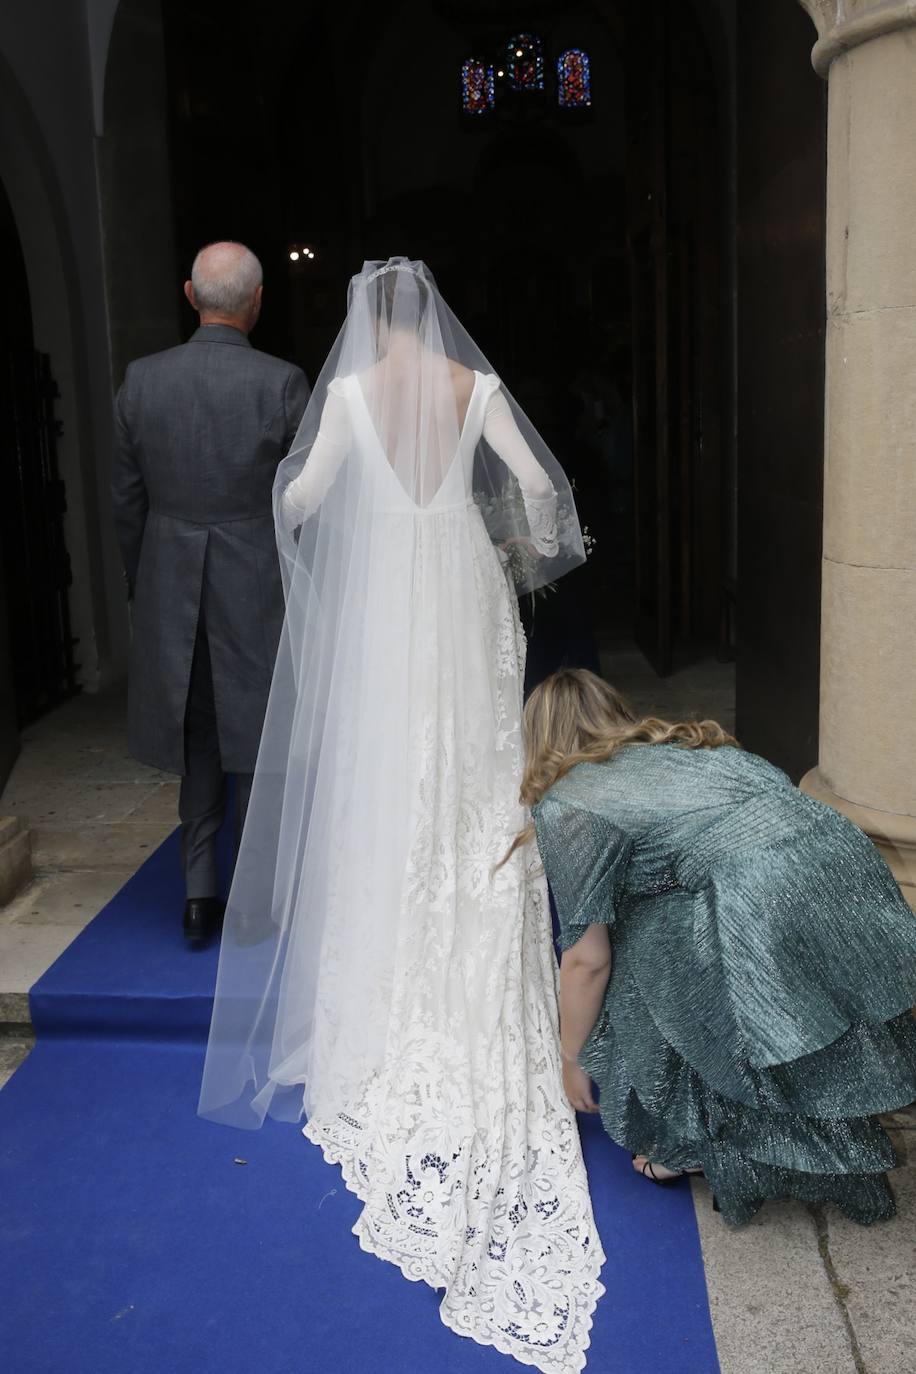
<point>574,85</point>
<point>525,63</point>
<point>477,86</point>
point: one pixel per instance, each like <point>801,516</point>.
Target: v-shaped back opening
<point>461,428</point>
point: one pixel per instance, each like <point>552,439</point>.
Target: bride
<point>377,972</point>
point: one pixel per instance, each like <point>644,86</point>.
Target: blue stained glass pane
<point>477,86</point>
<point>574,84</point>
<point>525,63</point>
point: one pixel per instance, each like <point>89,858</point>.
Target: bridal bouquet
<point>505,517</point>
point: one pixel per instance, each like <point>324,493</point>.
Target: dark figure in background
<point>200,431</point>
<point>603,439</point>
<point>557,620</point>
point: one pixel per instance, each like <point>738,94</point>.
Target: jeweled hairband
<point>391,267</point>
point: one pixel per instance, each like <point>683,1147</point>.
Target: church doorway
<point>573,220</point>
<point>36,644</point>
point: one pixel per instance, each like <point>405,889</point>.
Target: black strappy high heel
<point>647,1172</point>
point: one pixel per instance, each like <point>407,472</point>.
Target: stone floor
<point>798,1291</point>
<point>94,816</point>
<point>699,688</point>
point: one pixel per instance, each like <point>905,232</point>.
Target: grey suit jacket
<point>200,431</point>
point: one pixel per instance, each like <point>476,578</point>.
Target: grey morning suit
<point>200,431</point>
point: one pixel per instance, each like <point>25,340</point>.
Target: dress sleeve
<point>585,858</point>
<point>306,492</point>
<point>506,439</point>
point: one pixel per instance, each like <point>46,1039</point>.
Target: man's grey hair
<point>225,277</point>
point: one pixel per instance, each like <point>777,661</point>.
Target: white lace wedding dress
<point>403,988</point>
<point>461,1144</point>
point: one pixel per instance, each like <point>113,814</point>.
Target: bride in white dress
<point>377,972</point>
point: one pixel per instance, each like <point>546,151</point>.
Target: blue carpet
<point>134,1238</point>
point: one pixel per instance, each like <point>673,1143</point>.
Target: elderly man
<point>200,431</point>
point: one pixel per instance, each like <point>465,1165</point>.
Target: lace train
<point>498,1215</point>
<point>459,1140</point>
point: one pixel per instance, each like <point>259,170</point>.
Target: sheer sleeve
<point>306,492</point>
<point>585,858</point>
<point>506,439</point>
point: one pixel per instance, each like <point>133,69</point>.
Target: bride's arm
<point>306,492</point>
<point>506,439</point>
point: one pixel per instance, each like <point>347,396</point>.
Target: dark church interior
<point>623,207</point>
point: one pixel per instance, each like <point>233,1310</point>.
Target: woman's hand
<point>578,1087</point>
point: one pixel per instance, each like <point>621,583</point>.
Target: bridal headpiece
<point>392,267</point>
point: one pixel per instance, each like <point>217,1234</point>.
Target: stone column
<point>867,765</point>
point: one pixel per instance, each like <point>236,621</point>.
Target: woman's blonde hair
<point>574,717</point>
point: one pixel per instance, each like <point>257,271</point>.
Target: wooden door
<point>679,384</point>
<point>648,252</point>
<point>36,644</point>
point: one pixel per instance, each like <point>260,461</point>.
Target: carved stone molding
<point>823,13</point>
<point>845,24</point>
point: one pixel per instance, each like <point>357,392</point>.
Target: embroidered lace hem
<point>463,1312</point>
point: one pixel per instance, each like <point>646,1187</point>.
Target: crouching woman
<point>738,963</point>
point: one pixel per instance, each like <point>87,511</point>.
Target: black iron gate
<point>36,564</point>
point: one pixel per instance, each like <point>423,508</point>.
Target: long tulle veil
<point>310,938</point>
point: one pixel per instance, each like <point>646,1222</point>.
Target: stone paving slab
<point>121,845</point>
<point>94,815</point>
<point>14,1012</point>
<point>876,1267</point>
<point>64,898</point>
<point>772,1306</point>
<point>13,1050</point>
<point>26,952</point>
<point>158,806</point>
<point>76,801</point>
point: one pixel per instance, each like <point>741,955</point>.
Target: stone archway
<point>866,50</point>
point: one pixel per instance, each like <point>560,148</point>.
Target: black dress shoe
<point>201,917</point>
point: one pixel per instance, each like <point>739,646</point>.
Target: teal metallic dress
<point>757,1016</point>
